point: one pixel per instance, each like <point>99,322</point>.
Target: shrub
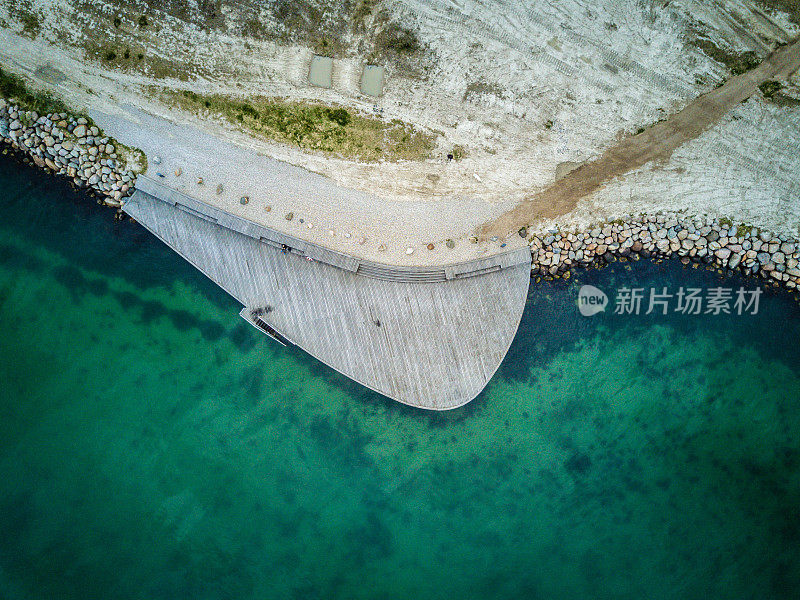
<point>338,115</point>
<point>744,62</point>
<point>398,40</point>
<point>770,88</point>
<point>14,87</point>
<point>30,23</point>
<point>459,152</point>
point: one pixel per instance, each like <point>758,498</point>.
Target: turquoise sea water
<point>153,445</point>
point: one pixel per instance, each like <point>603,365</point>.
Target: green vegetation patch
<point>13,87</point>
<point>362,11</point>
<point>737,62</point>
<point>772,91</point>
<point>394,43</point>
<point>770,88</point>
<point>25,12</point>
<point>311,126</point>
<point>459,152</point>
<point>131,58</point>
<point>481,87</point>
<point>785,101</point>
<point>31,23</point>
<point>790,7</point>
<point>394,39</point>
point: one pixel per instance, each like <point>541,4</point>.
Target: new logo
<point>591,300</point>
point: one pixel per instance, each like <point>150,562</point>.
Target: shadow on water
<point>61,215</point>
<point>549,325</point>
<point>210,486</point>
<point>552,323</point>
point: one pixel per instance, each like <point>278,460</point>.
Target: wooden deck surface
<point>428,337</point>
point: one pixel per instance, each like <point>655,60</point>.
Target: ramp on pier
<point>428,337</point>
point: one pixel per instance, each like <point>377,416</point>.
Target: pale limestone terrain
<point>523,86</point>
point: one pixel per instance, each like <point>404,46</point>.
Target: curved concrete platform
<point>427,337</point>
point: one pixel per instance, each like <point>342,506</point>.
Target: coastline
<point>699,240</point>
<point>104,345</point>
<point>74,147</point>
<point>52,143</point>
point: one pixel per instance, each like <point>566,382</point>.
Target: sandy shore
<point>340,217</point>
<point>373,225</point>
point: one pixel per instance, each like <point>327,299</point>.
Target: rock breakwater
<point>72,146</point>
<point>713,242</point>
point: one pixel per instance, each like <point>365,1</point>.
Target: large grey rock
<point>79,131</point>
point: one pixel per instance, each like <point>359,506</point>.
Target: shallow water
<point>153,445</point>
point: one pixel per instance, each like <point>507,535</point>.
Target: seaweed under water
<point>152,445</point>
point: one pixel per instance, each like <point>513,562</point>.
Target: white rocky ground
<point>524,86</point>
<point>746,168</point>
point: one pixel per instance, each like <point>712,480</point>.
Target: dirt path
<point>654,144</point>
